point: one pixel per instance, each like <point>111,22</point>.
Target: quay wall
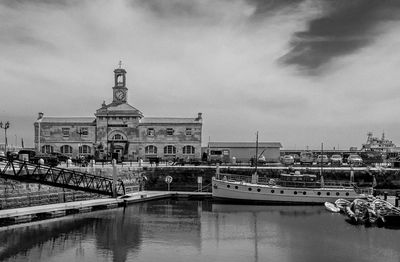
<point>16,194</point>
<point>185,178</point>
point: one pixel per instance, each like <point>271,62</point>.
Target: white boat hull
<point>241,191</point>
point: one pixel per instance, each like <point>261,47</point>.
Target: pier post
<point>217,171</point>
<point>396,199</point>
<point>115,172</point>
<point>385,194</point>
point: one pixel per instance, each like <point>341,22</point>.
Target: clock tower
<point>120,90</point>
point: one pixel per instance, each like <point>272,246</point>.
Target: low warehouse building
<point>243,151</point>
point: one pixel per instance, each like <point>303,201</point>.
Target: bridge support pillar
<point>115,174</point>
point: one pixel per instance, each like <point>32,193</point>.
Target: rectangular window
<point>150,131</point>
<point>216,152</point>
<point>84,131</point>
<point>188,131</point>
<point>46,132</point>
<point>170,131</point>
<point>65,132</point>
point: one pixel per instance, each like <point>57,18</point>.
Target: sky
<point>300,72</point>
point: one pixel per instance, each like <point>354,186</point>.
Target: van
<point>34,157</point>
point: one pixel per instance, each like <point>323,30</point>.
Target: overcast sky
<point>301,72</point>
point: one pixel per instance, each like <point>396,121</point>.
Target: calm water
<point>172,231</point>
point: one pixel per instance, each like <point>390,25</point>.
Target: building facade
<point>120,131</point>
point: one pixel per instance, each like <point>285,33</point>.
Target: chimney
<point>199,116</point>
<point>40,115</point>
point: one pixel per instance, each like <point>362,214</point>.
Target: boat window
<point>228,186</point>
<point>319,193</point>
<point>295,192</point>
<point>272,191</point>
<point>337,193</point>
<point>258,190</point>
<point>282,192</point>
<point>347,193</point>
<point>236,187</point>
<point>328,193</point>
<point>304,193</point>
<point>249,188</point>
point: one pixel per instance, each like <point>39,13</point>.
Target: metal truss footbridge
<point>28,172</point>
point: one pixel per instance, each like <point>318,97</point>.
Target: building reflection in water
<point>109,235</point>
<point>110,231</point>
<point>170,231</point>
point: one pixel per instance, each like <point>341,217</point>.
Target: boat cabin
<point>298,180</point>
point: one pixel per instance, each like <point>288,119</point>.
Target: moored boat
<point>293,188</point>
<point>342,204</point>
<point>332,207</point>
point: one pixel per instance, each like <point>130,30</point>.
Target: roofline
<point>241,144</point>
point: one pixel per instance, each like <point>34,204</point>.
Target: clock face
<point>120,95</point>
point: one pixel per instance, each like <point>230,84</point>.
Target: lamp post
<point>107,135</point>
<point>39,120</point>
<point>80,132</point>
<point>5,127</point>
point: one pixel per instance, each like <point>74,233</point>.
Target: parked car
<point>60,156</point>
<point>287,160</point>
<point>12,155</point>
<point>306,158</point>
<point>296,158</point>
<point>336,160</point>
<point>355,160</point>
<point>371,157</point>
<point>322,159</point>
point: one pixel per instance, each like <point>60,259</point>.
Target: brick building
<point>120,131</point>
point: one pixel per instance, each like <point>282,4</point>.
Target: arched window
<point>169,150</point>
<point>47,149</point>
<point>117,137</point>
<point>150,150</point>
<point>66,149</point>
<point>188,150</point>
<point>84,149</point>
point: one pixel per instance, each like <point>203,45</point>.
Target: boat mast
<point>321,160</point>
<point>321,170</point>
<point>255,171</point>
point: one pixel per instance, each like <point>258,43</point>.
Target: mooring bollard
<point>385,194</point>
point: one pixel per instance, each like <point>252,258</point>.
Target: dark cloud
<point>345,27</point>
<point>265,7</point>
<point>212,11</point>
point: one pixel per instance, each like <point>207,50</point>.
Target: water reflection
<point>294,233</point>
<point>171,231</point>
<point>113,232</point>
